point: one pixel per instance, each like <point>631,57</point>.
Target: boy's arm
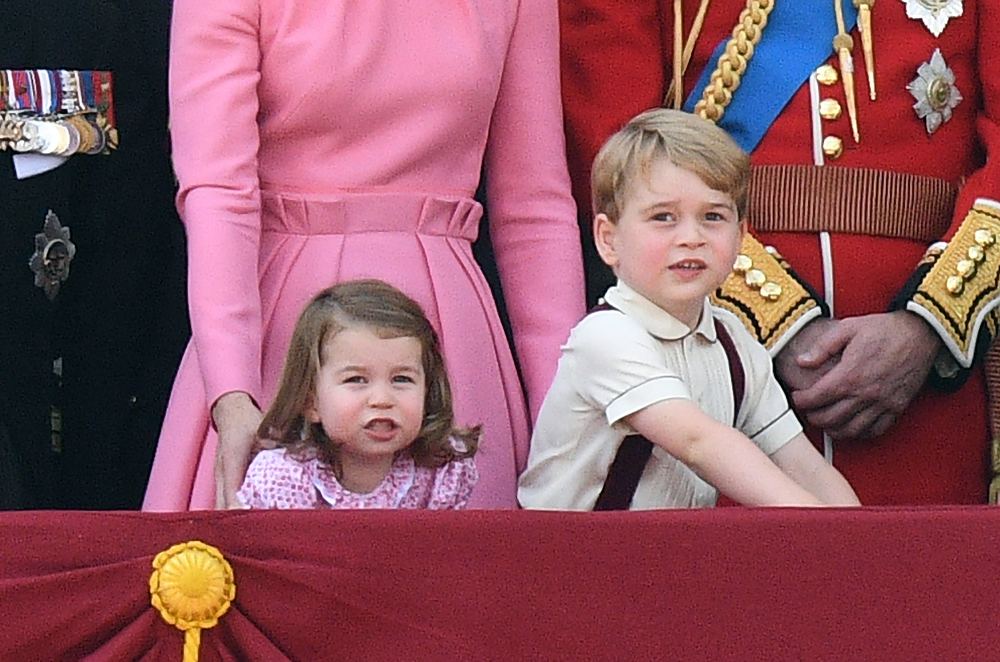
<point>803,464</point>
<point>719,454</point>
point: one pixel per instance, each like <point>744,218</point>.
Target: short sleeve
<point>765,415</point>
<point>453,485</point>
<point>619,367</point>
<point>274,480</point>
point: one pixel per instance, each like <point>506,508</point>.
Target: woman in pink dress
<point>317,142</point>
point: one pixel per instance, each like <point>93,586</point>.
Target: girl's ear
<point>310,413</point>
<point>604,239</point>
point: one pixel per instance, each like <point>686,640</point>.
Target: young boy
<point>659,361</point>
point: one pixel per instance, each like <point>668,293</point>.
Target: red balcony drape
<point>739,584</point>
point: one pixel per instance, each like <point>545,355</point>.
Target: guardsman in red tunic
<point>870,128</point>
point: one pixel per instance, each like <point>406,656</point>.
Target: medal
<point>935,92</point>
<point>53,253</point>
<point>10,130</point>
<point>74,140</point>
<point>61,139</point>
<point>50,139</point>
<point>30,140</point>
<point>934,13</point>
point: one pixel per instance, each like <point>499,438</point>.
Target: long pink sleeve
<point>532,214</point>
<point>214,71</point>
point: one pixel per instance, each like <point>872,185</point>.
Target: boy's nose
<point>689,232</point>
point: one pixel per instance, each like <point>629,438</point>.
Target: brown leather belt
<point>798,198</point>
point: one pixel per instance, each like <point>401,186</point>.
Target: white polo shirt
<point>618,362</point>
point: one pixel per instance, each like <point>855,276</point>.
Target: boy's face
<point>676,240</point>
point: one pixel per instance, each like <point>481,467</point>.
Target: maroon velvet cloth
<point>726,584</point>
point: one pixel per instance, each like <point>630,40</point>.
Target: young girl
<point>363,416</point>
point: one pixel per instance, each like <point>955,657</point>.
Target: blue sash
<point>798,38</point>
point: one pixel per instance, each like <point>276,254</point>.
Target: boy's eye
<point>664,216</point>
<point>354,379</point>
<point>714,216</point>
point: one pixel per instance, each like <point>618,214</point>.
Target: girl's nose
<point>380,395</point>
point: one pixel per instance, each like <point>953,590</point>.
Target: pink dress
<point>321,141</point>
<point>276,480</point>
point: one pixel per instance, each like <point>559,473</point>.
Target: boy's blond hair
<point>688,141</point>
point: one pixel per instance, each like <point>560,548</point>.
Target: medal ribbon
<point>795,42</point>
<point>57,91</point>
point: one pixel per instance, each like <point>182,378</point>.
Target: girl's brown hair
<point>389,313</point>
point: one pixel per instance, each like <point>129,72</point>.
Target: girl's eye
<point>403,379</point>
<point>354,379</point>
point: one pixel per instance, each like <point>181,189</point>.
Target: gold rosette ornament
<point>192,586</point>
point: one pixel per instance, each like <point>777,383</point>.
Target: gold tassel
<point>865,8</point>
<point>843,44</point>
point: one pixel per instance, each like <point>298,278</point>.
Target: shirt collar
<point>654,319</point>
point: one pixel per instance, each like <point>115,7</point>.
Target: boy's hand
<point>800,460</point>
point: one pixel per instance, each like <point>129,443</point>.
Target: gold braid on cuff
<point>764,295</point>
<point>959,294</point>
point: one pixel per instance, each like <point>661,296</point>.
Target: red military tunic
<point>617,62</point>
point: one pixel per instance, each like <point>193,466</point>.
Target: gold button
<point>955,284</point>
<point>827,75</point>
<point>742,264</point>
<point>773,252</point>
<point>833,146</point>
<point>984,237</point>
<point>966,269</point>
<point>829,109</point>
<point>976,253</point>
<point>770,291</point>
<point>755,278</point>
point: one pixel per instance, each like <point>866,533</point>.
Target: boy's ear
<point>743,228</point>
<point>604,239</point>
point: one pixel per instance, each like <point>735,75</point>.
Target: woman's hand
<point>237,419</point>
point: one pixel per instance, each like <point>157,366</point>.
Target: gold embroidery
<point>962,284</point>
<point>762,294</point>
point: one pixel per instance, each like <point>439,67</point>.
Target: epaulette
<point>767,296</point>
<point>956,285</point>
